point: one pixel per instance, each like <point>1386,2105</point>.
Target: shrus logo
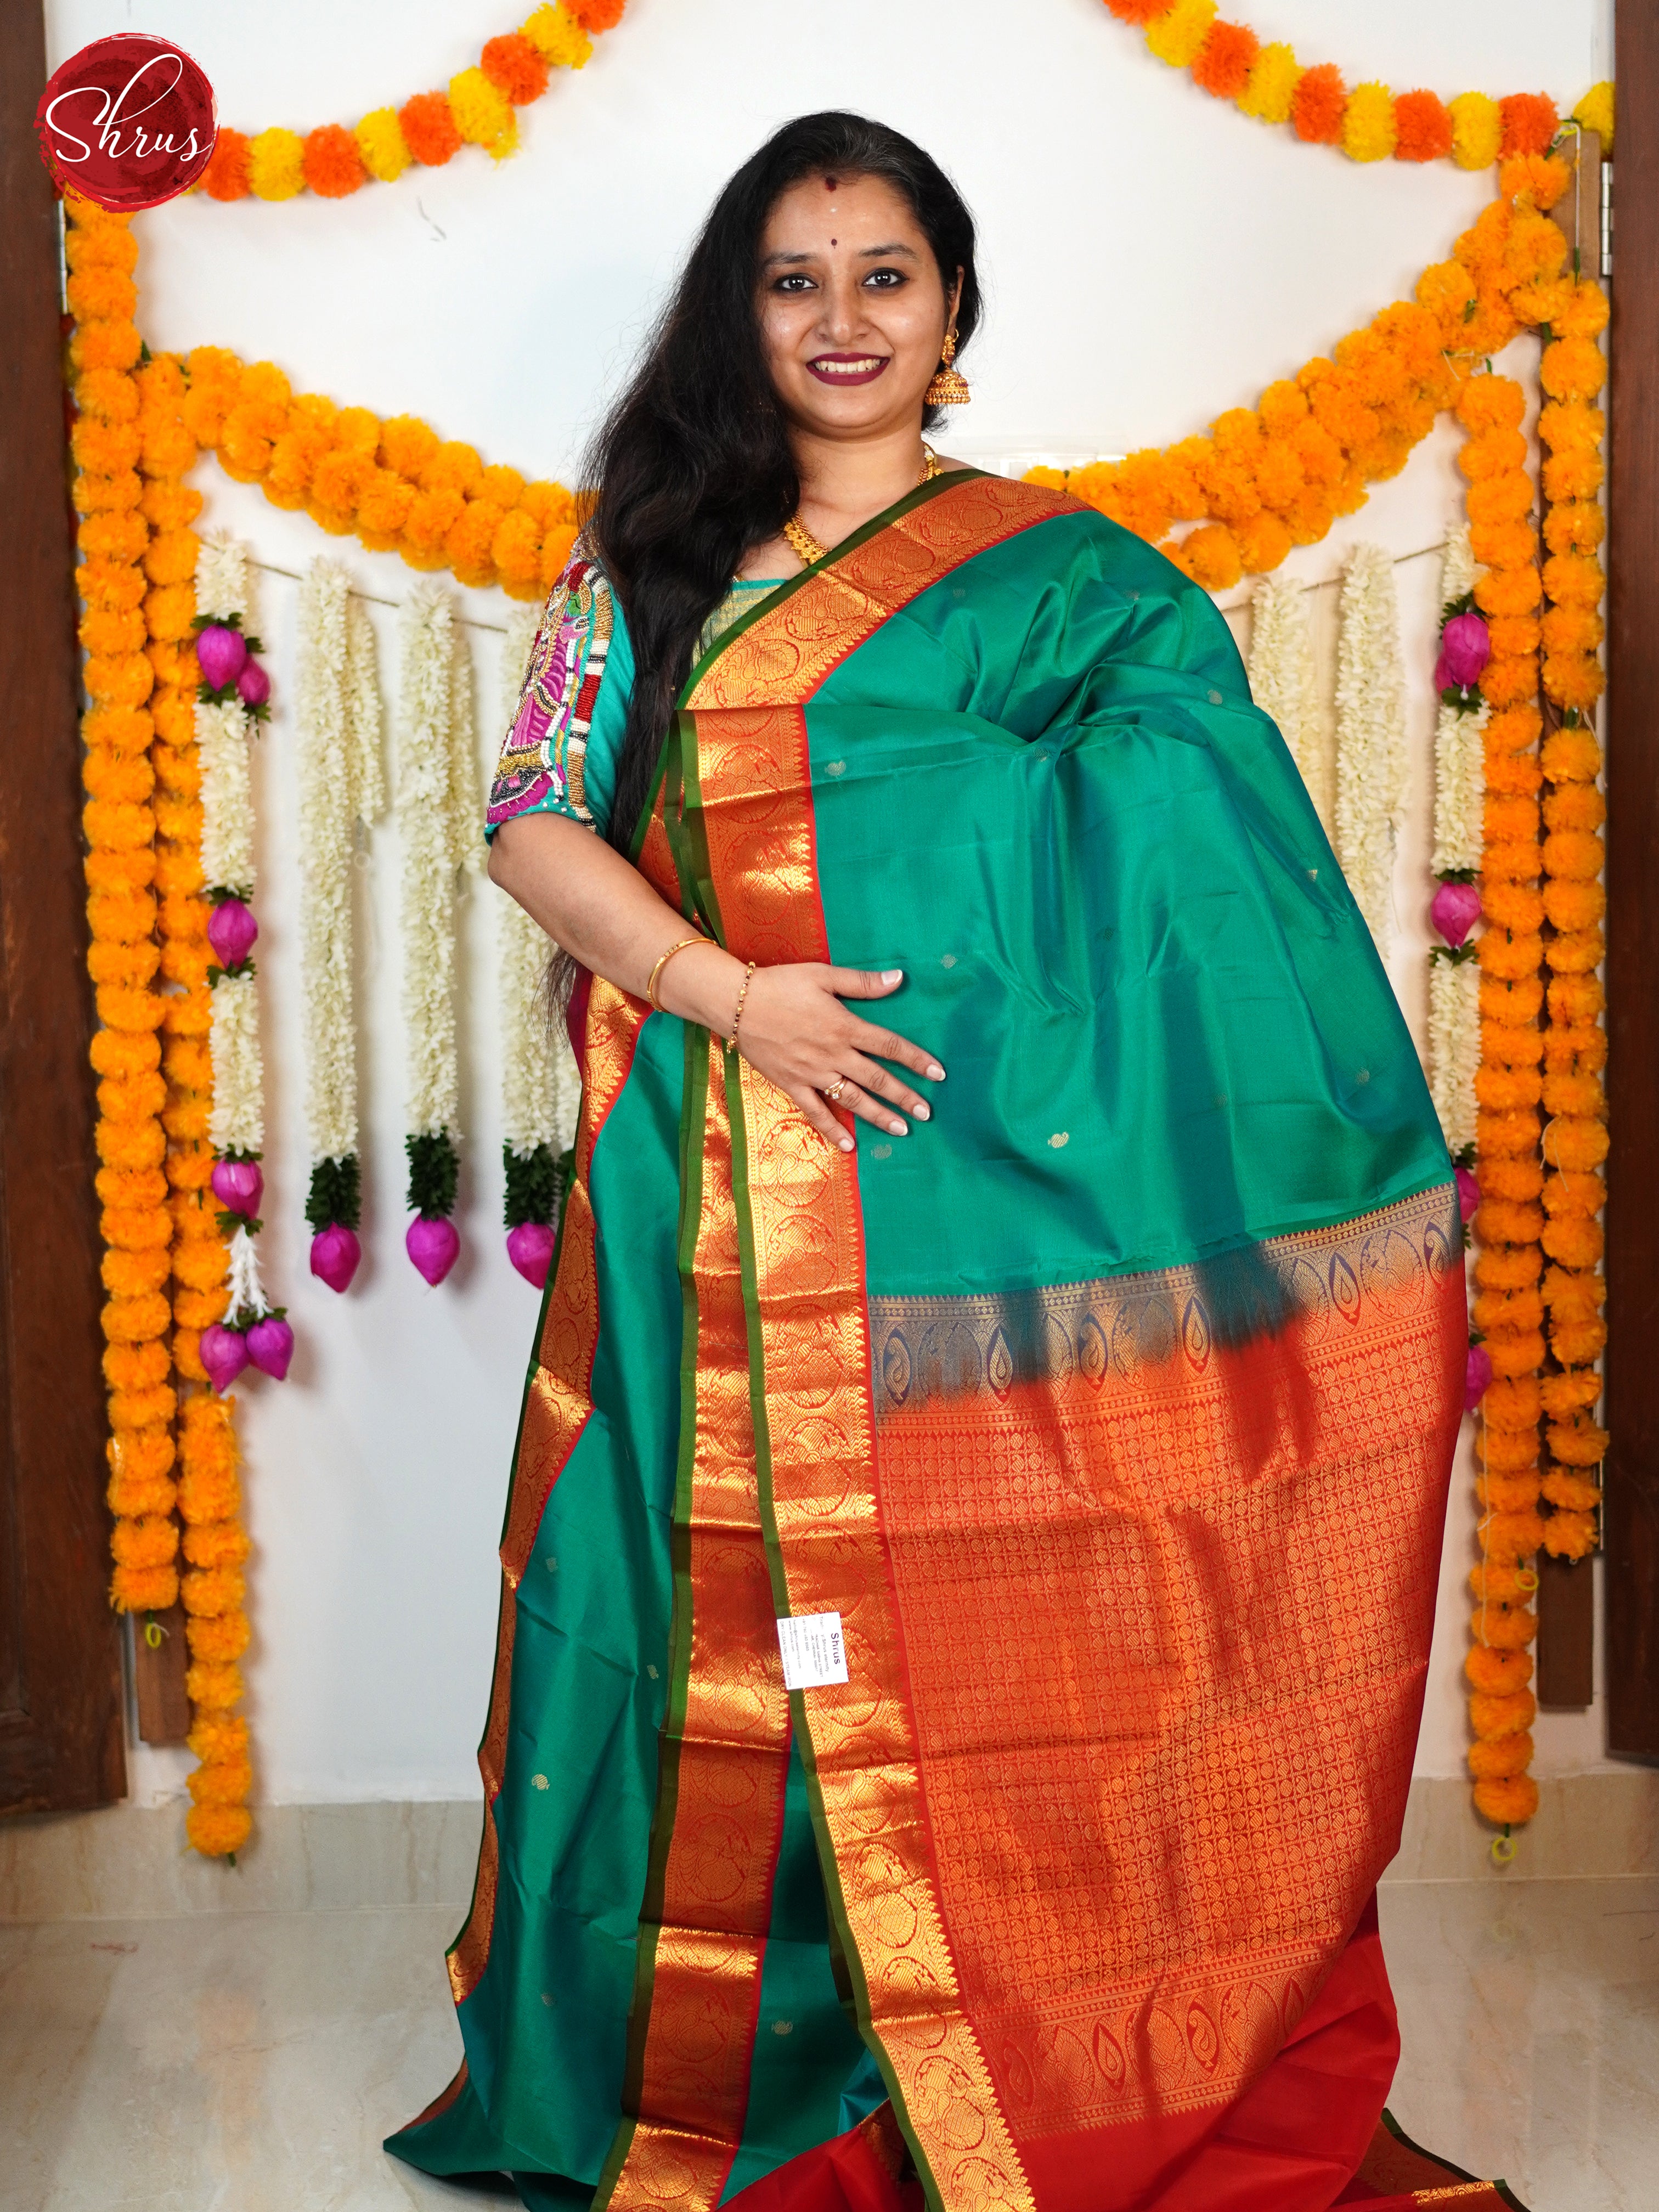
<point>129,122</point>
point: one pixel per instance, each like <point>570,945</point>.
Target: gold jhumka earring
<point>950,386</point>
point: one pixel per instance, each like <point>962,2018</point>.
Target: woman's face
<point>853,313</point>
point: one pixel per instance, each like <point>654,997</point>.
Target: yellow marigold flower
<point>558,38</point>
<point>1369,130</point>
<point>1595,112</point>
<point>1175,37</point>
<point>482,115</point>
<point>1271,84</point>
<point>218,1831</point>
<point>1477,130</point>
<point>380,142</point>
<point>275,164</point>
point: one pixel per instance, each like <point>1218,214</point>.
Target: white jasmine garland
<point>1460,766</point>
<point>438,825</point>
<point>1283,682</point>
<point>236,1120</point>
<point>223,732</point>
<point>540,1088</point>
<point>1371,735</point>
<point>337,756</point>
<point>1453,1047</point>
<point>246,1299</point>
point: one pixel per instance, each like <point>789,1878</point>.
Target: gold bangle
<point>684,945</point>
<point>743,992</point>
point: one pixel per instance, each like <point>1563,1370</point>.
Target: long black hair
<point>693,466</point>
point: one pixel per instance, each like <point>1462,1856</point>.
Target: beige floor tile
<point>253,2062</point>
<point>1529,2015</point>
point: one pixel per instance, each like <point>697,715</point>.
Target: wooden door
<point>1631,1515</point>
<point>61,1737</point>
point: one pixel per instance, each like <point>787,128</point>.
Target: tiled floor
<point>253,2063</point>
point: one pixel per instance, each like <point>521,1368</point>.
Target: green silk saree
<point>1111,1412</point>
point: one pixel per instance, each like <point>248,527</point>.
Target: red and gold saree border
<point>783,652</point>
<point>799,1206</point>
<point>556,1402</point>
<point>726,1739</point>
<point>556,1410</point>
<point>748,847</point>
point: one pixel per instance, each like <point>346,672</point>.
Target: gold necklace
<point>807,548</point>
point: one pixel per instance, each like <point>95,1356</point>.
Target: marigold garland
<point>477,108</point>
<point>1274,476</point>
<point>1540,1242</point>
<point>1370,123</point>
<point>143,775</point>
<point>394,483</point>
<point>1261,480</point>
<point>218,1823</point>
<point>113,537</point>
<point>1573,313</point>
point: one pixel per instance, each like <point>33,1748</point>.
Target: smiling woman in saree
<point>1084,1415</point>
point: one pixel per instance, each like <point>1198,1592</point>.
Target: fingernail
<point>892,975</point>
<point>936,1070</point>
<point>922,1111</point>
<point>845,1143</point>
<point>898,1128</point>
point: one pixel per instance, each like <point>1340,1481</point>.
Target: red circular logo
<point>128,122</point>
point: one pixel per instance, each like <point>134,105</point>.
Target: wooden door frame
<point>1631,1515</point>
<point>62,1736</point>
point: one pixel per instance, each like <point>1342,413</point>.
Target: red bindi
<point>829,184</point>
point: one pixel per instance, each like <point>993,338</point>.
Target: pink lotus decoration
<point>1477,1377</point>
<point>1465,649</point>
<point>237,1185</point>
<point>252,685</point>
<point>224,1354</point>
<point>1468,1196</point>
<point>271,1346</point>
<point>335,1253</point>
<point>529,1247</point>
<point>1454,910</point>
<point>222,655</point>
<point>434,1244</point>
<point>232,932</point>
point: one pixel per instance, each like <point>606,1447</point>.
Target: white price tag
<point>813,1652</point>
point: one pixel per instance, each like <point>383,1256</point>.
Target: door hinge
<point>1607,218</point>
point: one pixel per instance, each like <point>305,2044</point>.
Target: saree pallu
<point>1111,1411</point>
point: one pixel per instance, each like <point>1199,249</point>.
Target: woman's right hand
<point>798,1035</point>
<point>795,1028</point>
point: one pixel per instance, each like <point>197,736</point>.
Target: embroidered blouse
<point>560,755</point>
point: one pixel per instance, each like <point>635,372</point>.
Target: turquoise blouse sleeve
<point>560,755</point>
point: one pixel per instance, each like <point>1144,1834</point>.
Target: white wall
<point>1154,257</point>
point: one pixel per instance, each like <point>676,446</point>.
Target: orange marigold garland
<point>1274,476</point>
<point>1508,1314</point>
<point>476,108</point>
<point>394,484</point>
<point>1539,1240</point>
<point>114,537</point>
<point>218,1823</point>
<point>1368,123</point>
<point>215,1548</point>
<point>1572,314</point>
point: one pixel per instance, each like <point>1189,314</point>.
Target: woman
<point>1084,1418</point>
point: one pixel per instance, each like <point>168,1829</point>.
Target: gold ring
<point>834,1090</point>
